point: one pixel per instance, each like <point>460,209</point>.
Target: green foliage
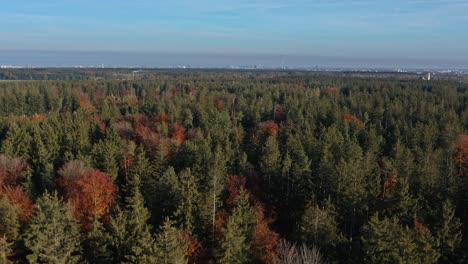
<point>386,241</point>
<point>52,235</point>
<point>169,248</point>
<point>357,146</point>
<point>320,228</point>
<point>236,245</point>
<point>130,234</point>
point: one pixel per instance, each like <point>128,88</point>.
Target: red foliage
<point>178,133</point>
<point>219,104</point>
<point>11,170</point>
<point>280,113</point>
<point>264,240</point>
<point>146,136</point>
<point>193,246</point>
<point>234,185</point>
<point>91,195</point>
<point>419,227</point>
<point>18,196</point>
<point>220,224</point>
<point>269,128</point>
<point>162,118</point>
<point>461,148</point>
<point>351,118</point>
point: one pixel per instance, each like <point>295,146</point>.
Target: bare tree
<point>289,253</point>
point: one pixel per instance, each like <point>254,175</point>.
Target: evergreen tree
<point>319,227</point>
<point>270,160</point>
<point>53,236</point>
<point>236,246</point>
<point>95,245</point>
<point>386,241</point>
<point>130,233</point>
<point>187,212</point>
<point>107,153</point>
<point>169,248</point>
<point>448,232</point>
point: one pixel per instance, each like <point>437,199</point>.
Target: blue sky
<point>435,29</point>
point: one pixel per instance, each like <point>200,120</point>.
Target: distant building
<point>428,78</point>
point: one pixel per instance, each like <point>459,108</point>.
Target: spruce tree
<point>130,233</point>
<point>53,235</point>
<point>169,248</point>
<point>236,246</point>
<point>187,212</point>
<point>96,244</point>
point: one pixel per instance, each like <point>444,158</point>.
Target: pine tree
<point>169,248</point>
<point>236,246</point>
<point>53,236</point>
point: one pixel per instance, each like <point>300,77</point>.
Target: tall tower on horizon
<point>428,76</point>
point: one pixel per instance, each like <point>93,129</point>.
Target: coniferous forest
<point>234,167</point>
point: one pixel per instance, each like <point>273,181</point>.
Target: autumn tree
<point>91,196</point>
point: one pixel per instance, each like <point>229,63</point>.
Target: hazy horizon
<point>43,58</point>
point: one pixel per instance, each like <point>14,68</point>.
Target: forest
<point>233,167</point>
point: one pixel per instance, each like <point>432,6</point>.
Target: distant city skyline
<point>360,33</point>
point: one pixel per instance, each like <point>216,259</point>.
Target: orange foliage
<point>18,196</point>
<point>269,128</point>
<point>193,246</point>
<point>331,91</point>
<point>162,118</point>
<point>11,174</point>
<point>219,104</point>
<point>351,118</point>
<point>37,118</point>
<point>178,133</point>
<point>264,240</point>
<point>91,195</point>
<point>85,103</point>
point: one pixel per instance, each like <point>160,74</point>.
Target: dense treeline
<point>233,168</point>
